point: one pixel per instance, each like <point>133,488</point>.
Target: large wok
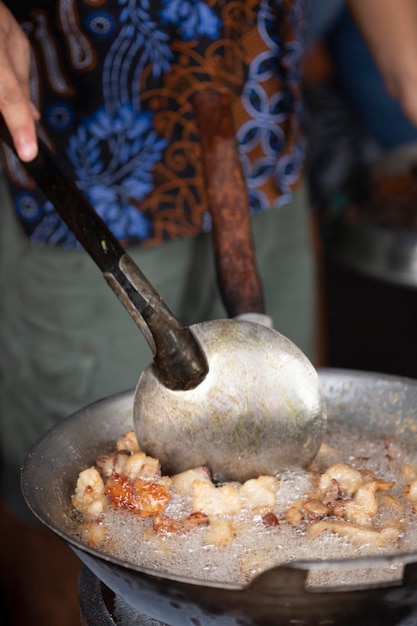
<point>381,405</point>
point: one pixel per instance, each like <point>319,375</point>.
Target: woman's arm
<point>390,29</point>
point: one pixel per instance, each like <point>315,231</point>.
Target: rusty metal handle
<point>238,278</point>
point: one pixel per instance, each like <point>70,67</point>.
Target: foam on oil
<point>255,547</point>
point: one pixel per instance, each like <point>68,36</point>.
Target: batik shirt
<point>114,81</point>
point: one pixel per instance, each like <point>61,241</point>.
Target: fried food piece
<point>348,478</point>
<point>356,534</point>
<point>128,442</point>
<point>315,509</point>
<point>392,503</point>
<point>89,497</point>
<point>165,525</point>
<point>94,533</point>
<point>411,491</point>
<point>131,464</point>
<point>220,531</point>
<point>270,520</point>
<point>121,494</point>
<point>224,500</point>
<point>294,515</point>
<point>108,464</point>
<point>259,493</point>
<point>309,509</point>
<point>332,495</point>
<point>364,505</point>
<point>139,465</point>
<point>182,483</point>
<point>152,495</point>
<point>144,498</point>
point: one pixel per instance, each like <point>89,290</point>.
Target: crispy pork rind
<point>89,497</point>
<point>212,500</point>
<point>359,535</point>
<point>94,533</point>
<point>145,498</point>
<point>259,494</point>
<point>127,441</point>
<point>165,525</point>
<point>182,483</point>
<point>220,531</point>
<point>348,479</point>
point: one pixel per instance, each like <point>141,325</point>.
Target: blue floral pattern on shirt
<point>115,87</point>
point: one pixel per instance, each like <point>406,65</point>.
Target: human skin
<point>18,111</point>
<point>389,28</point>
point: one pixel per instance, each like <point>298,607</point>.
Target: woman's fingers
<point>18,111</point>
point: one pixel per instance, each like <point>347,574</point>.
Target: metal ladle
<point>232,394</point>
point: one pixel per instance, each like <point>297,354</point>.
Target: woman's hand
<point>18,111</point>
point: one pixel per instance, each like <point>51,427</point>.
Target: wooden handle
<point>239,282</point>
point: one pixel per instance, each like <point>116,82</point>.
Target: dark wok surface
<point>379,404</point>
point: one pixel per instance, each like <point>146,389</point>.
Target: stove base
<point>100,607</point>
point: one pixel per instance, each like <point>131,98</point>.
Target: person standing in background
<point>386,30</point>
<point>110,87</point>
<point>363,152</point>
<point>369,79</point>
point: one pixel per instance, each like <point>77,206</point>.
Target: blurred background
<point>362,170</point>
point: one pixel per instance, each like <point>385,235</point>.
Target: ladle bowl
<point>258,411</point>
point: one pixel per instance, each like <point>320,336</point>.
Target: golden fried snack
<point>356,534</point>
<point>143,497</point>
<point>89,497</point>
<point>220,531</point>
<point>183,482</point>
<point>364,505</point>
<point>165,525</point>
<point>259,494</point>
<point>127,441</point>
<point>347,478</point>
<point>212,500</point>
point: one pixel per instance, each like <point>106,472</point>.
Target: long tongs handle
<point>228,201</point>
<point>179,360</point>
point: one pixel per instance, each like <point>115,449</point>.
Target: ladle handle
<point>237,274</point>
<point>179,361</point>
